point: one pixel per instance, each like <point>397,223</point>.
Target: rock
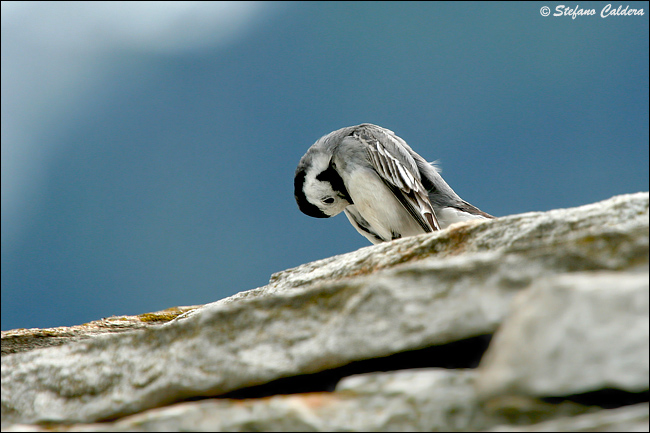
<point>407,400</point>
<point>583,232</point>
<point>397,401</point>
<point>23,340</point>
<point>409,294</point>
<point>628,419</point>
<point>254,341</point>
<point>571,334</point>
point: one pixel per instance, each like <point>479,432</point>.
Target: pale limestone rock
<point>411,400</point>
<point>408,400</point>
<point>584,231</point>
<point>571,334</point>
<point>381,300</point>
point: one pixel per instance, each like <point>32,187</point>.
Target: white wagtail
<point>386,190</point>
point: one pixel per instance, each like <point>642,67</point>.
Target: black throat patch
<point>332,176</point>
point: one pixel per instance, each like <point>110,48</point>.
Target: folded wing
<point>397,168</point>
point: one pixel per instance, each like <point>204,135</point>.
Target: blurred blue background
<point>148,149</point>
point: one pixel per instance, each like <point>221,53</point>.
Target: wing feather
<point>397,168</point>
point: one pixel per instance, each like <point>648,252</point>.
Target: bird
<point>386,190</point>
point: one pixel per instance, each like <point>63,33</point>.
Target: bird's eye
<point>328,200</point>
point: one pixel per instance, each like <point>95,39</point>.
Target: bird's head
<point>318,188</point>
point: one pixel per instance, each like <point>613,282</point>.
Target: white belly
<point>377,204</point>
